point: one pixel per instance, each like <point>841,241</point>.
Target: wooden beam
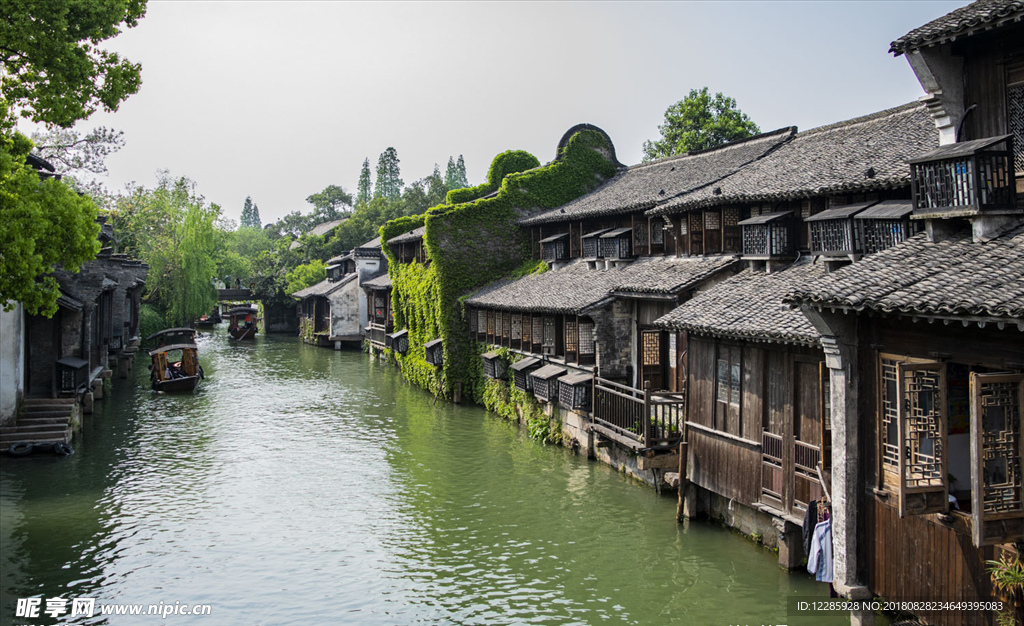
<point>661,461</point>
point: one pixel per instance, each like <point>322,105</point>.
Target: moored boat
<point>175,367</point>
<point>242,323</point>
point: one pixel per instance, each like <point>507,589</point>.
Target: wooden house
<point>924,342</point>
<point>329,310</point>
<point>370,263</point>
<point>381,320</point>
<point>754,423</point>
<point>408,247</point>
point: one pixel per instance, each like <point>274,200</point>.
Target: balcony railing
<point>972,176</point>
<point>378,334</point>
<point>638,418</point>
<point>799,472</point>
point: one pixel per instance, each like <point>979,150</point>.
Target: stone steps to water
<point>40,420</point>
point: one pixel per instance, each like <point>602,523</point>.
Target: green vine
<point>306,330</point>
<point>472,240</point>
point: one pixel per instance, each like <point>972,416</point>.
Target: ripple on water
<point>302,485</point>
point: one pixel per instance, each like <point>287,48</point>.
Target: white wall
<point>12,361</point>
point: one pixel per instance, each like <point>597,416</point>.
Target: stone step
<point>23,427</point>
<point>32,419</point>
<point>57,412</point>
<point>6,439</point>
<point>46,401</point>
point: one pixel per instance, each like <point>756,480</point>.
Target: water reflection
<point>304,485</point>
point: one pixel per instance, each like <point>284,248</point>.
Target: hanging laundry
<point>819,559</point>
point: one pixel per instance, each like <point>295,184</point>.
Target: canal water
<point>300,485</point>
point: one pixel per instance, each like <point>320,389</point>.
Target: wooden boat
<point>175,367</point>
<point>169,336</point>
<point>242,323</point>
<point>206,322</point>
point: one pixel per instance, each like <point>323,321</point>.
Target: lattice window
<point>684,228</point>
<point>755,239</point>
<point>549,332</point>
<point>538,329</point>
<point>651,348</point>
<point>526,332</point>
<point>696,223</point>
<point>506,326</point>
<point>890,415</point>
<point>591,248</point>
<point>882,234</point>
<point>571,337</point>
<point>923,427</point>
<point>498,326</point>
<point>555,250</point>
<point>610,247</point>
<point>999,421</point>
<point>472,321</point>
<point>517,326</point>
<point>831,236</point>
<point>586,337</point>
<point>1016,120</point>
<point>728,380</point>
<point>490,323</point>
<point>712,220</point>
<point>640,235</point>
<point>658,232</point>
<point>730,216</point>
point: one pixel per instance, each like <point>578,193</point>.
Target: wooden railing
<point>638,418</point>
<point>378,334</point>
<point>800,473</point>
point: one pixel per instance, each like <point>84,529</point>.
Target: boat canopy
<point>172,347</point>
<point>171,331</point>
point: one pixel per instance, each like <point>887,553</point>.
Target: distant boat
<point>207,321</point>
<point>242,323</point>
<point>175,358</point>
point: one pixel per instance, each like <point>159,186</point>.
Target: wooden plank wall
<point>723,466</point>
<point>701,401</point>
<point>917,558</point>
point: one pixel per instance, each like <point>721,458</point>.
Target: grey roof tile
<point>412,235</point>
<point>642,186</point>
<point>750,306</point>
<point>323,288</point>
<point>575,287</point>
<point>952,278</point>
<point>863,154</point>
<point>960,22</point>
<point>381,282</point>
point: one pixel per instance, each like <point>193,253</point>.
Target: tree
<point>306,276</point>
<point>330,204</point>
<point>43,224</point>
<point>75,153</point>
<point>53,68</point>
<point>461,182</point>
<point>389,182</point>
<point>451,174</point>
<point>364,193</point>
<point>293,226</point>
<point>699,122</point>
<point>250,217</point>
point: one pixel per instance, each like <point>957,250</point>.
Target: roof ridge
<point>732,144</point>
<point>871,117</point>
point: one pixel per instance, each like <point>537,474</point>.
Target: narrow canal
<point>303,485</point>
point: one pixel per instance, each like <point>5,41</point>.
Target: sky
<point>277,100</point>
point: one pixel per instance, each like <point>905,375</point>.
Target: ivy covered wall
<point>473,239</point>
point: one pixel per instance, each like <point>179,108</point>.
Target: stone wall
<point>345,324</point>
<point>613,331</point>
<point>12,358</point>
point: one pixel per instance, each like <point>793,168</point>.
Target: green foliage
<point>174,230</point>
<point>475,242</point>
<point>306,330</point>
<point>1008,576</point>
<point>151,320</point>
<point>306,275</point>
<point>250,215</point>
<point>510,403</point>
<point>698,122</point>
<point>53,68</point>
<point>43,224</point>
<point>506,163</point>
<point>389,177</point>
<point>331,204</point>
<point>455,174</point>
<point>364,189</point>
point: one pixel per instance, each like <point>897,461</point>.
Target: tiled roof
<point>750,306</point>
<point>326,227</point>
<point>642,186</point>
<point>858,155</point>
<point>960,22</point>
<point>669,275</point>
<point>952,278</point>
<point>575,287</point>
<point>323,288</point>
<point>381,282</point>
<point>412,235</point>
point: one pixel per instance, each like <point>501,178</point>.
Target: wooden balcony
<point>789,474</point>
<point>637,418</point>
<point>965,178</point>
<point>377,334</point>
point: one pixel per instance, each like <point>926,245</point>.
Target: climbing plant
<point>473,239</point>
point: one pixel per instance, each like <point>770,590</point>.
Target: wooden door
<point>652,361</point>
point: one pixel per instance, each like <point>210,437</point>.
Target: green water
<point>300,485</point>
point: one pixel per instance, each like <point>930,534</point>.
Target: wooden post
<point>647,413</point>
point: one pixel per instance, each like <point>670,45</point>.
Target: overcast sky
<point>277,100</point>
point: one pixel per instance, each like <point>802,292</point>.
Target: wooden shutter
<point>924,487</point>
<point>996,450</point>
